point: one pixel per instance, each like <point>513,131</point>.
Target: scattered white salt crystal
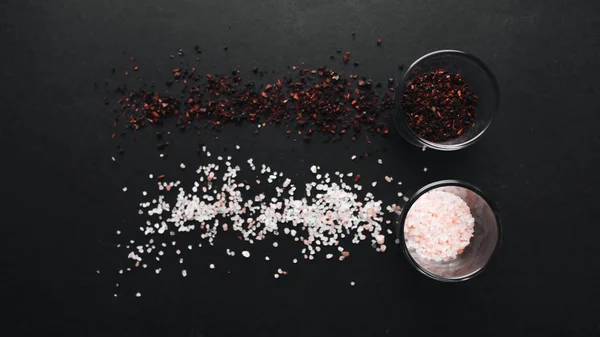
<point>162,155</point>
<point>379,161</point>
<point>138,295</point>
<point>184,273</point>
<point>374,184</point>
<point>399,194</point>
<point>329,256</point>
<point>113,158</point>
<point>295,261</point>
<point>287,182</point>
<point>150,176</point>
<point>352,283</point>
<point>246,254</point>
<point>267,258</point>
<point>279,271</point>
<point>275,244</point>
<point>124,189</point>
<point>97,271</point>
<point>118,232</point>
<point>424,169</point>
<point>182,165</point>
<point>144,193</point>
<point>212,266</point>
<point>353,157</point>
<point>380,239</point>
<point>388,179</point>
<point>313,169</point>
<point>157,271</point>
<point>208,154</point>
<point>276,276</point>
<point>237,147</point>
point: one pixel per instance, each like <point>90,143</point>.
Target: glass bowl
<point>476,75</point>
<point>483,244</point>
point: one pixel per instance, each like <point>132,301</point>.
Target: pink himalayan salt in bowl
<point>470,251</point>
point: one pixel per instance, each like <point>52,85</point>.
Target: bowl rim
<point>471,57</point>
<point>417,195</point>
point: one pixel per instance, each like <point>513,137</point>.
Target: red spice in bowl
<point>439,106</point>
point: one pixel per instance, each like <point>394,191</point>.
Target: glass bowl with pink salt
<point>449,230</point>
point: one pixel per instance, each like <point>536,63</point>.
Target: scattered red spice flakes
<point>347,57</point>
<point>305,99</point>
<point>379,42</point>
<point>357,178</point>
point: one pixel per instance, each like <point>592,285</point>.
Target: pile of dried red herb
<point>439,106</point>
<point>305,101</point>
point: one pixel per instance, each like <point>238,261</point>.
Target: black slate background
<point>539,162</point>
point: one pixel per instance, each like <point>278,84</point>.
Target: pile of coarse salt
<point>438,226</point>
<point>327,211</point>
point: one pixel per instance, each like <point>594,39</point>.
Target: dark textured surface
<point>539,161</point>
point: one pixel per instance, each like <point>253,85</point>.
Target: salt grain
<point>246,254</point>
<point>182,166</point>
<point>138,295</point>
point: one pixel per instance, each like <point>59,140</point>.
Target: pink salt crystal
<point>438,226</point>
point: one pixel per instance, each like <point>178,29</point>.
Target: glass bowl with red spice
<point>446,100</point>
<point>449,230</point>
